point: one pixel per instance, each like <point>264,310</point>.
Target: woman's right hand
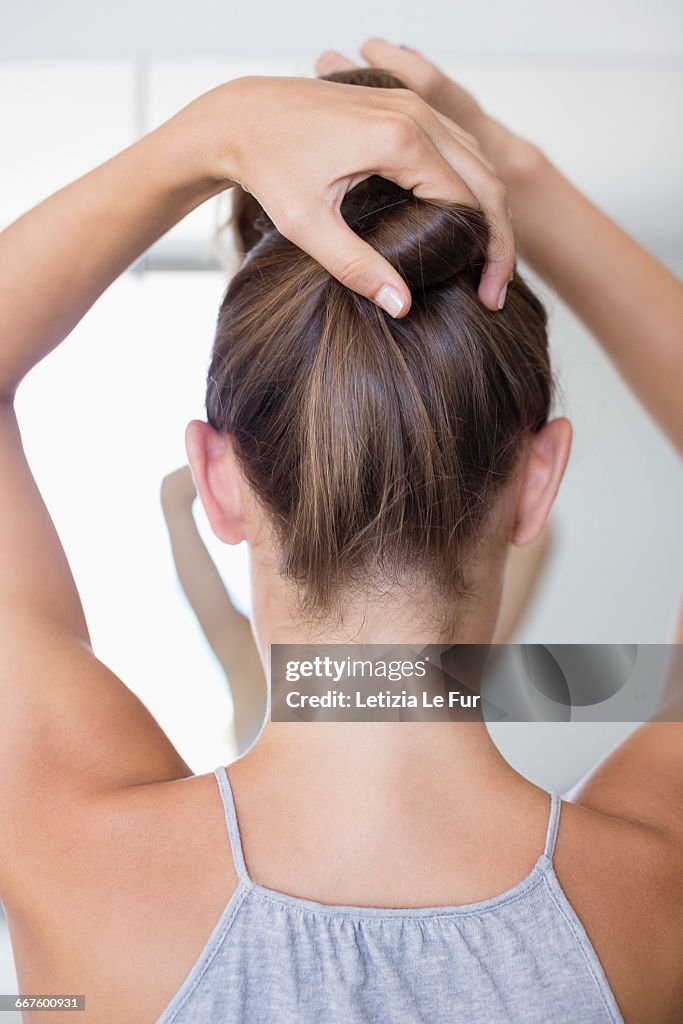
<point>418,73</point>
<point>507,152</point>
<point>632,304</point>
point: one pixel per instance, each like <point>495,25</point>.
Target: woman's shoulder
<point>136,895</point>
<point>624,879</point>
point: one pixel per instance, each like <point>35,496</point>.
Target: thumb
<point>354,263</point>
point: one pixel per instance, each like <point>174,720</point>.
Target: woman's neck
<point>415,615</point>
<point>378,749</point>
<point>386,750</point>
<point>384,771</point>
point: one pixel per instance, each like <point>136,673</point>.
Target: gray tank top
<point>522,957</point>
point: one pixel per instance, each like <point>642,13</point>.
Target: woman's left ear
<point>546,462</point>
<point>218,480</point>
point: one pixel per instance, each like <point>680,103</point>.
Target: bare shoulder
<point>93,738</point>
<point>624,878</point>
<point>621,862</point>
<point>147,877</point>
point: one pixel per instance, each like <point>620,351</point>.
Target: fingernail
<point>501,297</point>
<point>390,300</point>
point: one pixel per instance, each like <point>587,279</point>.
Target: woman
<point>378,871</point>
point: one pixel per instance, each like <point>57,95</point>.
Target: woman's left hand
<point>299,145</point>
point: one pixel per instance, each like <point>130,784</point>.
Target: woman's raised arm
<point>631,304</point>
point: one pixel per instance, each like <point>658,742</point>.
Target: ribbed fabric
<point>522,957</point>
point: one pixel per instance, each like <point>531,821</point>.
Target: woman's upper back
<point>130,916</point>
<point>522,956</point>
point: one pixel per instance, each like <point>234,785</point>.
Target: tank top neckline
<point>542,867</point>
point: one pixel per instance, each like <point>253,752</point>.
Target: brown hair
<point>376,445</point>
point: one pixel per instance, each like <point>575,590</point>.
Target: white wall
<point>614,29</point>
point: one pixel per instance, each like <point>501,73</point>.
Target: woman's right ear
<point>546,462</point>
<point>218,480</point>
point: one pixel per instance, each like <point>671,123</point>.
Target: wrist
<point>516,160</point>
<point>211,126</point>
<point>200,142</point>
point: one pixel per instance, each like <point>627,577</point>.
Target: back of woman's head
<point>376,446</point>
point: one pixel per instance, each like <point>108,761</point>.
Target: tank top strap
<point>231,821</point>
<point>553,825</point>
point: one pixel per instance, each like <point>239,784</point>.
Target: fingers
<point>352,261</point>
<point>467,140</point>
<point>379,53</point>
<point>418,164</point>
<point>331,61</point>
<point>500,257</point>
<point>499,269</point>
<point>439,161</point>
<point>491,196</point>
<point>405,62</point>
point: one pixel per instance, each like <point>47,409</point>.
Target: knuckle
<point>401,130</point>
<point>414,105</point>
<point>294,220</point>
<point>503,253</point>
<point>351,270</point>
<point>409,99</point>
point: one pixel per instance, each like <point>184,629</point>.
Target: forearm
<point>59,257</point>
<point>632,304</point>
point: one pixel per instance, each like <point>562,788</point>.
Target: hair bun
<point>427,241</point>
